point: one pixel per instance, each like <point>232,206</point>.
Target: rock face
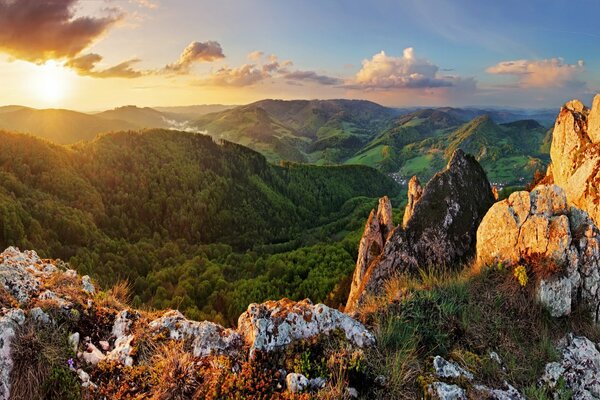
<point>378,227</point>
<point>540,230</point>
<point>8,324</point>
<point>206,337</point>
<point>575,154</point>
<point>441,230</point>
<point>579,367</point>
<point>415,191</point>
<point>272,325</point>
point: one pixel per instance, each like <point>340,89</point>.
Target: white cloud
<point>409,71</point>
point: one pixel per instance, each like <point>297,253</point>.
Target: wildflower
<point>521,274</point>
<point>71,363</point>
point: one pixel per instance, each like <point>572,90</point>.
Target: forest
<point>187,222</point>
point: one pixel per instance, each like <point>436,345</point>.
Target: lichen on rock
<point>275,324</point>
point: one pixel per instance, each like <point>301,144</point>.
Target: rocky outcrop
<point>579,368</point>
<point>560,242</point>
<point>415,191</point>
<point>205,337</point>
<point>379,226</point>
<point>455,382</point>
<point>575,154</point>
<point>441,230</point>
<point>8,325</point>
<point>275,324</point>
<point>104,333</point>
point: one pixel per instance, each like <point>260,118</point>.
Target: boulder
<point>8,326</point>
<point>415,191</point>
<point>296,383</point>
<point>445,391</point>
<point>378,227</point>
<point>275,324</point>
<point>447,369</point>
<point>441,229</point>
<point>207,338</point>
<point>575,155</point>
<point>562,242</point>
<point>579,367</point>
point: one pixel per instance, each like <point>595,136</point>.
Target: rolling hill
<point>315,131</point>
<point>58,125</point>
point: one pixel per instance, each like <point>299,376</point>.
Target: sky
<point>97,54</point>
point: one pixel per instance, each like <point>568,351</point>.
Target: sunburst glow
<point>50,82</point>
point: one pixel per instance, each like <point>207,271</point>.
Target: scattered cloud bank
<point>547,73</point>
<point>264,68</point>
<point>38,31</point>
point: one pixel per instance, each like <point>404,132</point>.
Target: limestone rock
<point>207,338</point>
<point>123,350</point>
<point>371,244</point>
<point>8,326</point>
<point>575,154</point>
<point>446,369</point>
<point>74,341</point>
<point>539,227</point>
<point>593,126</point>
<point>16,273</point>
<point>93,355</point>
<point>507,393</point>
<point>38,315</point>
<point>123,322</point>
<point>415,191</point>
<point>445,391</point>
<point>441,230</point>
<point>579,367</point>
<point>275,324</point>
<point>296,383</point>
<point>87,285</point>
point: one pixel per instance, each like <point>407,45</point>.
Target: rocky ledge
<point>104,332</point>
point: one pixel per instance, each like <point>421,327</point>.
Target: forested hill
<point>134,203</point>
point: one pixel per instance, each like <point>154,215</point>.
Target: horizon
<point>412,54</point>
<point>490,107</point>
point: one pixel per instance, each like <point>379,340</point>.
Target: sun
<point>50,82</point>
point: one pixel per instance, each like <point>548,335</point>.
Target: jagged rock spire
<point>415,191</point>
<point>377,229</point>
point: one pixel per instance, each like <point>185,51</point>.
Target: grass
<point>40,369</point>
<point>463,316</point>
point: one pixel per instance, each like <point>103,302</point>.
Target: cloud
<point>146,3</point>
<point>264,67</point>
<point>196,52</point>
<point>553,72</point>
<point>312,76</point>
<point>244,75</point>
<point>383,72</point>
<point>255,55</point>
<point>37,31</point>
<point>86,66</point>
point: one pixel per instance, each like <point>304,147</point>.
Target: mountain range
<point>510,144</point>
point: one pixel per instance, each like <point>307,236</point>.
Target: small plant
<point>520,273</point>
